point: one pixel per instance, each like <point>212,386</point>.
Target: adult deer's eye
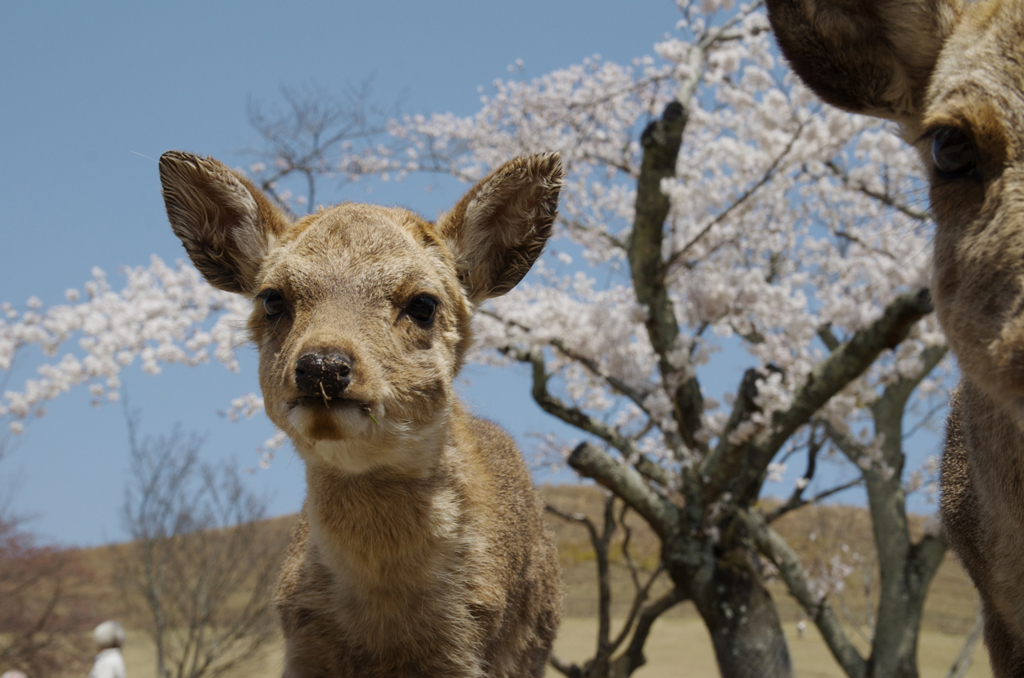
<point>953,153</point>
<point>421,308</point>
<point>273,303</point>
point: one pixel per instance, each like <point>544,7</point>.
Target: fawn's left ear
<point>500,227</point>
<point>226,224</point>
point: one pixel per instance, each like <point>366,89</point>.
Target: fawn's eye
<point>954,153</point>
<point>273,303</point>
<point>421,308</point>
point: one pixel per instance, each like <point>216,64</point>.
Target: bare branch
<point>626,554</point>
<point>627,483</point>
<point>638,397</point>
<point>570,670</point>
<point>576,225</point>
<point>828,337</point>
<point>310,136</point>
<point>661,141</point>
<point>895,395</point>
<point>722,32</point>
<point>581,420</point>
<point>641,591</point>
<point>736,204</point>
<point>633,658</point>
<point>797,500</point>
<point>600,543</point>
<point>966,656</point>
<point>569,415</point>
<point>580,518</point>
<point>792,504</point>
<point>775,548</point>
<point>884,198</point>
<point>652,471</point>
<point>639,619</point>
<point>744,468</point>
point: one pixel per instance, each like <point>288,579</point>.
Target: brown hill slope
<point>818,533</point>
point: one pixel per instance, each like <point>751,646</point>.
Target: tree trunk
<point>738,611</point>
<point>894,646</point>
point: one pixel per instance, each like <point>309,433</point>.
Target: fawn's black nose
<point>320,375</point>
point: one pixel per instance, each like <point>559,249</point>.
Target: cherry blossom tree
<point>714,214</point>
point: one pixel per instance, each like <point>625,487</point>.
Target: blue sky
<point>93,93</point>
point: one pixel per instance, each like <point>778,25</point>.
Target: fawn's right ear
<point>867,56</point>
<point>500,226</point>
<point>226,224</point>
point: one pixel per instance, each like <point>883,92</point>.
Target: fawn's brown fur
<point>420,550</point>
<point>952,75</point>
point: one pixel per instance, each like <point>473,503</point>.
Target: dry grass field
<point>679,645</point>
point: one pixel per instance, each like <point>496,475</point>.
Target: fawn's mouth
<point>332,419</point>
<point>328,402</point>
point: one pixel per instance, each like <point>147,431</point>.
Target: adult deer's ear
<point>872,57</point>
<point>500,226</point>
<point>226,224</point>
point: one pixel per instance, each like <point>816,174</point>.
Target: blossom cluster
<point>163,315</point>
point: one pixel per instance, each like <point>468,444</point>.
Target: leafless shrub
<point>202,563</point>
<point>43,605</point>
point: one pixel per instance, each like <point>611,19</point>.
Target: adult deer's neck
<point>994,440</point>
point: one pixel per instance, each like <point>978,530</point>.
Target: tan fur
<point>420,550</point>
<point>932,65</point>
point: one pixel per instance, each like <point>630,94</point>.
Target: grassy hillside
<point>818,533</point>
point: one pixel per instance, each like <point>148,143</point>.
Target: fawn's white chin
<point>359,438</point>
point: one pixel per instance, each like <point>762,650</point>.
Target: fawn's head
<point>952,75</point>
<point>361,314</point>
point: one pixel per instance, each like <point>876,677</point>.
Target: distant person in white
<point>109,638</point>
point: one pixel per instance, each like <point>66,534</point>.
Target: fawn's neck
<point>384,528</point>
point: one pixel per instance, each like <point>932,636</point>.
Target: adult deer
<point>952,75</point>
<point>420,550</point>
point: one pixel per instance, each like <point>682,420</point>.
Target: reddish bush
<point>44,606</point>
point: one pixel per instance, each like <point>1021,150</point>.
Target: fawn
<point>952,75</point>
<point>420,549</point>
